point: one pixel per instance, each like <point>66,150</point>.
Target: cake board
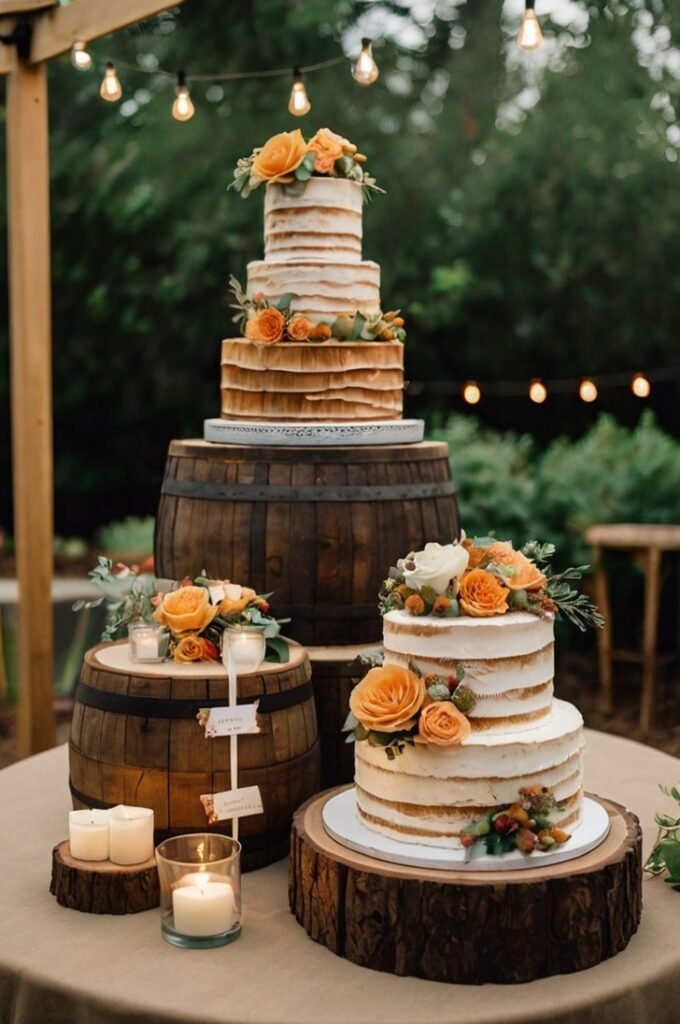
<point>221,431</point>
<point>467,927</point>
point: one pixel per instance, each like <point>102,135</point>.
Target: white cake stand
<point>313,434</point>
<point>341,821</point>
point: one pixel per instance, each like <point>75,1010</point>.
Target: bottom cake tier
<point>428,795</point>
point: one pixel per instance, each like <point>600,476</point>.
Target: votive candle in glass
<point>130,834</point>
<point>88,834</point>
<point>148,641</point>
<point>246,646</point>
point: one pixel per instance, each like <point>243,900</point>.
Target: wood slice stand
<point>100,887</point>
<point>501,927</point>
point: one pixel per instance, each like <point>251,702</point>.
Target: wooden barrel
<point>335,673</point>
<point>135,740</point>
<point>319,527</point>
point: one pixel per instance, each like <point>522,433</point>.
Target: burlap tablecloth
<point>60,966</point>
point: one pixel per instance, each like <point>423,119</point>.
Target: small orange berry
<point>414,605</point>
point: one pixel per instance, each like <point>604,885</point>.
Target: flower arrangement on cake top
<point>273,322</point>
<point>195,613</point>
<point>288,160</point>
<point>483,577</point>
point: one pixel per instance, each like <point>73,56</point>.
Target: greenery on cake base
<point>527,825</point>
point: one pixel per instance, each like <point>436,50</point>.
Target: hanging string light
<point>110,89</point>
<point>587,390</point>
<point>538,392</point>
<point>640,386</point>
<point>530,35</point>
<point>182,109</point>
<point>298,104</point>
<point>471,392</point>
<point>365,71</point>
<point>80,58</point>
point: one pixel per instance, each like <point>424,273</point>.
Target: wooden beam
<point>24,6</point>
<point>57,30</point>
<point>8,52</point>
<point>30,354</point>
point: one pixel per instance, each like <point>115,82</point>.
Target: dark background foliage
<point>530,226</point>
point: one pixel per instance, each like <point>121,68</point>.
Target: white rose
<point>436,566</point>
<point>219,589</point>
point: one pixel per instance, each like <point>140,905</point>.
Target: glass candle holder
<point>246,646</point>
<point>200,876</point>
<point>148,641</point>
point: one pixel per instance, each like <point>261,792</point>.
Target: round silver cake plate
<point>313,434</point>
<point>342,823</point>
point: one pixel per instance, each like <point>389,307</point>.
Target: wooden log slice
<point>463,927</point>
<point>100,887</point>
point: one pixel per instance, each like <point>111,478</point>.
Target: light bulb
<point>80,58</point>
<point>365,71</point>
<point>538,392</point>
<point>298,104</point>
<point>530,35</point>
<point>640,385</point>
<point>588,390</point>
<point>182,109</point>
<point>110,89</point>
<point>472,392</point>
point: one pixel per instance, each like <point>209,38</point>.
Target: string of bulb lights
<point>364,71</point>
<point>538,389</point>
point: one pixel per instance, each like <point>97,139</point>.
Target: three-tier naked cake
<point>459,736</point>
<point>315,346</point>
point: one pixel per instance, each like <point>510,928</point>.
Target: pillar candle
<point>130,834</point>
<point>88,834</point>
<point>201,906</point>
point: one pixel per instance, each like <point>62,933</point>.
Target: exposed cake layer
<point>321,290</point>
<point>428,794</point>
<point>513,691</point>
<point>305,382</point>
<point>323,223</point>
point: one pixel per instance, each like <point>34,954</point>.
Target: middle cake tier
<point>321,289</point>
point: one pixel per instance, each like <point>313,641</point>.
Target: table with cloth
<point>60,966</point>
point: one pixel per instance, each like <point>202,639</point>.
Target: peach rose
<point>328,147</point>
<point>481,594</point>
<point>232,605</point>
<point>526,576</point>
<point>299,328</point>
<point>442,723</point>
<point>267,325</point>
<point>195,648</point>
<point>187,610</point>
<point>388,699</point>
<point>279,157</point>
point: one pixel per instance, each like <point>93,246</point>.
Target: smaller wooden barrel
<point>135,740</point>
<point>335,673</point>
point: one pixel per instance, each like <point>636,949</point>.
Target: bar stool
<point>647,543</point>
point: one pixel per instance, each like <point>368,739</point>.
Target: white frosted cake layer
<point>427,794</point>
<point>322,290</point>
<point>499,636</point>
<point>323,223</point>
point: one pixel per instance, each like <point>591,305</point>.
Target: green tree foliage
<point>517,245</point>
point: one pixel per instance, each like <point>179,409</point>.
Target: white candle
<point>145,644</point>
<point>88,834</point>
<point>130,834</point>
<point>201,906</point>
<point>247,649</point>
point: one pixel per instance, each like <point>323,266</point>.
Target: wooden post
<point>30,332</point>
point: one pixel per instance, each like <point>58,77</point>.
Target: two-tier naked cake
<point>459,736</point>
<point>315,344</point>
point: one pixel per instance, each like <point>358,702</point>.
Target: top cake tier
<point>323,223</point>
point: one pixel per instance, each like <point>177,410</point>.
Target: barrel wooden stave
<point>167,763</point>
<point>323,552</point>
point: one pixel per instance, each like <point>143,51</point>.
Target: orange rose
<point>195,648</point>
<point>475,555</point>
<point>388,699</point>
<point>234,605</point>
<point>526,576</point>
<point>481,594</point>
<point>442,723</point>
<point>267,325</point>
<point>279,157</point>
<point>187,610</point>
<point>299,328</point>
<point>328,147</point>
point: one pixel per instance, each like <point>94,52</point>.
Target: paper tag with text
<point>232,803</point>
<point>229,721</point>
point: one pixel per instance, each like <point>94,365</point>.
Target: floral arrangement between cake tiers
<point>195,613</point>
<point>315,344</point>
<point>458,736</point>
